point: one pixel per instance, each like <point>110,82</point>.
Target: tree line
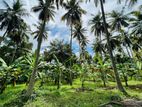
<point>117,44</point>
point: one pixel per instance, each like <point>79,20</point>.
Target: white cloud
<point>60,26</point>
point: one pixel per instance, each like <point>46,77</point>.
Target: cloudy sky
<point>58,29</point>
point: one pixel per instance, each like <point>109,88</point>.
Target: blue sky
<point>58,29</point>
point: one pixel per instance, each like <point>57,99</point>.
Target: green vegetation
<point>57,77</point>
<point>69,96</point>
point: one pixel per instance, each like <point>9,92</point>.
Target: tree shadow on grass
<point>136,87</point>
<point>20,101</point>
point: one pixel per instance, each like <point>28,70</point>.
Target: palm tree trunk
<point>71,53</point>
<point>102,72</point>
<point>3,83</point>
<point>82,84</point>
<point>119,84</point>
<point>33,75</point>
<point>71,38</point>
<point>14,53</point>
<point>80,51</point>
<point>125,78</point>
<point>59,79</point>
<point>58,82</point>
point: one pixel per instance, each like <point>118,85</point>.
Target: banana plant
<point>59,68</point>
<point>139,65</point>
<point>84,71</point>
<point>103,68</point>
<point>27,64</point>
<point>139,68</point>
<point>123,70</point>
<point>9,73</point>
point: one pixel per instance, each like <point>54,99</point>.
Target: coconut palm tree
<point>98,47</point>
<point>16,28</point>
<point>60,49</point>
<point>136,23</point>
<point>97,26</point>
<point>73,15</point>
<point>119,84</point>
<point>126,42</point>
<point>136,30</point>
<point>46,14</point>
<point>78,33</point>
<point>62,52</point>
<point>38,27</point>
<point>130,2</point>
<point>118,20</point>
<point>11,17</point>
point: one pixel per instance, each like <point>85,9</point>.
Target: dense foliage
<point>117,46</point>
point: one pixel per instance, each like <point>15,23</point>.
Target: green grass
<point>10,93</point>
<point>67,96</point>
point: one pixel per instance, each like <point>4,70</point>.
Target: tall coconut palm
<point>11,17</point>
<point>136,29</point>
<point>126,41</point>
<point>19,36</point>
<point>118,20</point>
<point>136,23</point>
<point>46,14</point>
<point>83,43</point>
<point>16,28</point>
<point>73,15</point>
<point>97,26</point>
<point>78,33</point>
<point>44,35</point>
<point>130,2</point>
<point>119,84</point>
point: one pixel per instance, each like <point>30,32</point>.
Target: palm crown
<point>74,12</point>
<point>45,6</point>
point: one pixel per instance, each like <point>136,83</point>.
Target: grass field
<point>68,96</point>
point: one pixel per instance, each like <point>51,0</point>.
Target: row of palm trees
<point>11,21</point>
